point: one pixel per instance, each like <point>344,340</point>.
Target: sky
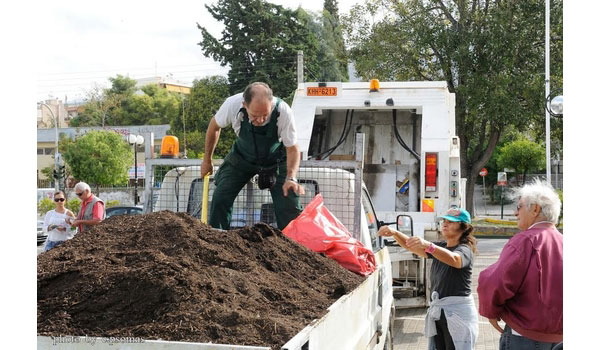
<point>81,45</point>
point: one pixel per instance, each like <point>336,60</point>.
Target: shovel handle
<point>204,213</point>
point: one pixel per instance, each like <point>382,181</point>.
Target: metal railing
<point>176,185</point>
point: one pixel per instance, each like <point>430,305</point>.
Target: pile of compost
<point>167,276</point>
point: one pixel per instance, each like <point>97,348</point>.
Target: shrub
<point>73,205</point>
<point>45,205</point>
<point>112,203</point>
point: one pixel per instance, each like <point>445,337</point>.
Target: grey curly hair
<point>542,194</point>
<point>82,186</point>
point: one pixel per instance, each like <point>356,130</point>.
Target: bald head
<point>257,91</point>
<point>257,101</point>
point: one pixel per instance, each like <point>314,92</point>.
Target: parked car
<point>41,235</point>
<point>123,210</point>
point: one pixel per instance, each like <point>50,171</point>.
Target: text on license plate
<point>321,91</point>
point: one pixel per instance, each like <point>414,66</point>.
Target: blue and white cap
<point>457,215</point>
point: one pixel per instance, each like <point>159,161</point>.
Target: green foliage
<point>492,165</point>
<point>155,106</point>
<point>104,104</point>
<point>74,205</point>
<point>259,43</point>
<point>120,105</point>
<point>522,155</point>
<point>45,205</point>
<point>331,53</point>
<point>490,54</point>
<point>112,203</point>
<point>121,85</point>
<point>199,107</point>
<point>100,158</point>
<point>48,171</point>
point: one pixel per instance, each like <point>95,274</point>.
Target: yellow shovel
<point>204,213</point>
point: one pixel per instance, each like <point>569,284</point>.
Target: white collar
<point>541,222</point>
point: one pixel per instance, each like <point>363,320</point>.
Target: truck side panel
<point>344,326</point>
<point>85,343</point>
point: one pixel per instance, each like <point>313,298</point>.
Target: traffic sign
<point>502,179</point>
<point>483,172</point>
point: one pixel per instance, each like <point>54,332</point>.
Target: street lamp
<point>135,140</point>
<point>554,105</point>
<point>57,157</point>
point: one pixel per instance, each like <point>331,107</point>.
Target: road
<point>410,323</point>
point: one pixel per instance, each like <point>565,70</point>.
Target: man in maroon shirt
<point>524,288</point>
<point>92,208</point>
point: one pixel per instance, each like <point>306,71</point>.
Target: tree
<point>120,105</point>
<point>260,43</point>
<point>335,37</point>
<point>95,109</point>
<point>490,54</point>
<point>104,104</point>
<point>99,158</point>
<point>198,108</point>
<point>331,52</point>
<point>522,155</point>
<point>155,106</point>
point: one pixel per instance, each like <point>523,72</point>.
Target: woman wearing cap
<point>451,321</point>
<point>54,222</point>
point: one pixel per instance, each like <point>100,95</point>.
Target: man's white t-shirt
<point>228,114</point>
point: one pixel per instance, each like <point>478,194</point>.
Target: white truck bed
<point>358,320</point>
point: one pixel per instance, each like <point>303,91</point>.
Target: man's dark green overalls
<point>242,163</point>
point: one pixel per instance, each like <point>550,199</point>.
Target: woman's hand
<point>385,231</point>
<point>417,243</point>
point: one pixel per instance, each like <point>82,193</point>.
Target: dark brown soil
<point>168,276</point>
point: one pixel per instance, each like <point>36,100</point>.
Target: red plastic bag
<point>318,230</point>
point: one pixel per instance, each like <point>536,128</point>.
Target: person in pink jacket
<point>524,288</point>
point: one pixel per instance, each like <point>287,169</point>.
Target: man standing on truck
<point>266,145</point>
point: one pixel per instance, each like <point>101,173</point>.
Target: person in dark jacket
<point>524,288</point>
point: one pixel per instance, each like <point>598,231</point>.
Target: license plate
<point>321,91</point>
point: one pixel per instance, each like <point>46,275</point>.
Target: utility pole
<point>547,93</point>
<point>300,67</point>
